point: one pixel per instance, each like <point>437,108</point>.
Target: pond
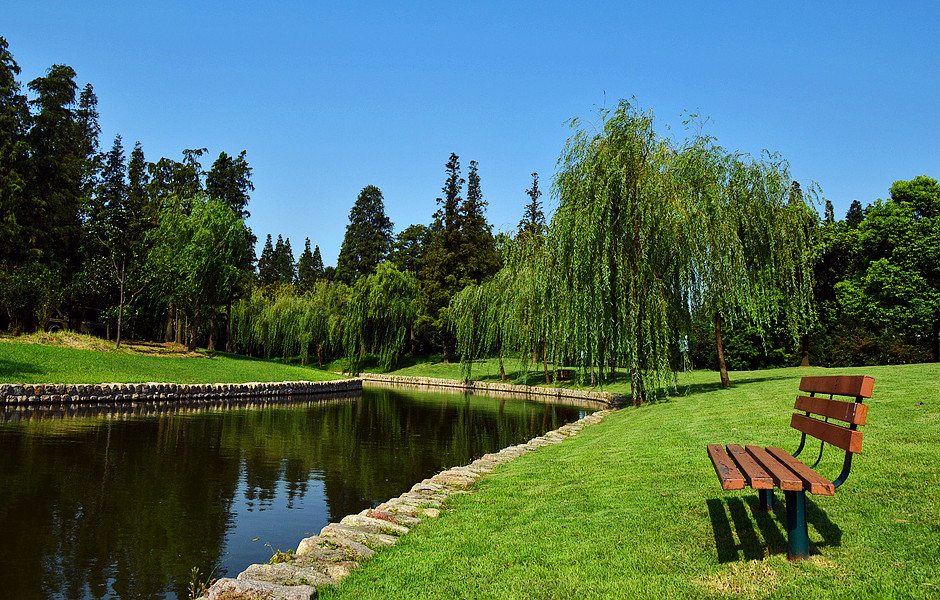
<point>124,505</point>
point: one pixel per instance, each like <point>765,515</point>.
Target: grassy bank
<point>632,508</point>
<point>67,358</point>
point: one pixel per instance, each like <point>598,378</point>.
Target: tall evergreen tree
<point>14,125</point>
<point>230,180</point>
<point>318,270</point>
<point>533,221</point>
<point>306,272</point>
<point>368,237</point>
<point>478,253</point>
<point>89,130</point>
<point>266,263</point>
<point>855,215</point>
<point>283,260</point>
<point>57,161</point>
<point>829,215</point>
<point>408,249</point>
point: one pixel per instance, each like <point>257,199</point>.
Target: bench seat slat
<point>756,476</point>
<point>813,482</point>
<point>841,437</point>
<point>783,477</point>
<point>840,385</point>
<point>851,412</point>
<point>724,466</point>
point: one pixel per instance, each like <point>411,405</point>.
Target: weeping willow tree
<point>645,234</point>
<point>752,257</point>
<point>380,310</point>
<point>278,321</point>
<point>621,239</point>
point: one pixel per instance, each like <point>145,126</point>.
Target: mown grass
<point>96,362</point>
<point>631,508</point>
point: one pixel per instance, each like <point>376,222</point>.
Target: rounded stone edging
<point>561,395</point>
<point>327,558</point>
<point>88,393</point>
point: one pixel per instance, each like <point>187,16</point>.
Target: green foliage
<point>461,250</point>
<point>368,237</point>
<point>198,256</point>
<point>646,233</point>
<point>380,311</point>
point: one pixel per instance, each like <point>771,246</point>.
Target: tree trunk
<point>548,378</point>
<point>228,327</point>
<point>169,324</point>
<point>636,388</point>
<point>195,333</point>
<point>804,350</point>
<point>211,345</point>
<point>320,356</point>
<point>722,366</point>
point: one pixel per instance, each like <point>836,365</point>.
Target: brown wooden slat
<point>850,412</point>
<point>841,437</point>
<point>813,482</point>
<point>724,466</point>
<point>756,476</point>
<point>840,385</point>
<point>783,477</point>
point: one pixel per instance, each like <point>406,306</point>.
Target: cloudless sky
<point>328,98</point>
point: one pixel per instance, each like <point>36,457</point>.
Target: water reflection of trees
<point>113,507</point>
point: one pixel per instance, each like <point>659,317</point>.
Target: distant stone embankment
<point>102,393</point>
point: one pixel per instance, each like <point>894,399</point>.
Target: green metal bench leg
<point>766,499</point>
<point>796,525</point>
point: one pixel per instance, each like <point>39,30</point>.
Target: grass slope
<point>44,363</point>
<point>631,508</point>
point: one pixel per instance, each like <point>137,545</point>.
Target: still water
<point>124,505</point>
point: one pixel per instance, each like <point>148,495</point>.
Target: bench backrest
<point>817,410</point>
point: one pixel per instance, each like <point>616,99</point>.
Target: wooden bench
<point>767,468</point>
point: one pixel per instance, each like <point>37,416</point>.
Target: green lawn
<point>631,508</point>
<point>35,363</point>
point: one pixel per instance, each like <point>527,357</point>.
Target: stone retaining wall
<point>61,393</point>
<point>560,395</point>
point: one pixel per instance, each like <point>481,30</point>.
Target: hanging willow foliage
<point>276,321</point>
<point>380,309</point>
<point>645,233</point>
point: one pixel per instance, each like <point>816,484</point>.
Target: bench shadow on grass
<point>747,520</point>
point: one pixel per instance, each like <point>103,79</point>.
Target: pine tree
<point>306,273</point>
<point>230,180</point>
<point>283,261</point>
<point>14,124</point>
<point>829,214</point>
<point>266,264</point>
<point>478,253</point>
<point>318,270</point>
<point>855,215</point>
<point>533,222</point>
<point>368,237</point>
<point>57,161</point>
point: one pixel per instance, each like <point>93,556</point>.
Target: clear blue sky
<point>329,98</point>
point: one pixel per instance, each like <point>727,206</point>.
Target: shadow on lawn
<point>749,519</point>
<point>13,370</point>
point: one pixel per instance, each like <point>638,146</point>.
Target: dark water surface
<point>125,505</point>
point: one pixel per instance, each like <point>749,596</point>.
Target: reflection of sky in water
<point>281,521</point>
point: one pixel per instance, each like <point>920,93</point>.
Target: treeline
<point>655,242</point>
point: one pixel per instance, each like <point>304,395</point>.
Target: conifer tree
<point>306,273</point>
<point>368,237</point>
<point>266,264</point>
<point>533,221</point>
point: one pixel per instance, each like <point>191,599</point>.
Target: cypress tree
<point>368,237</point>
